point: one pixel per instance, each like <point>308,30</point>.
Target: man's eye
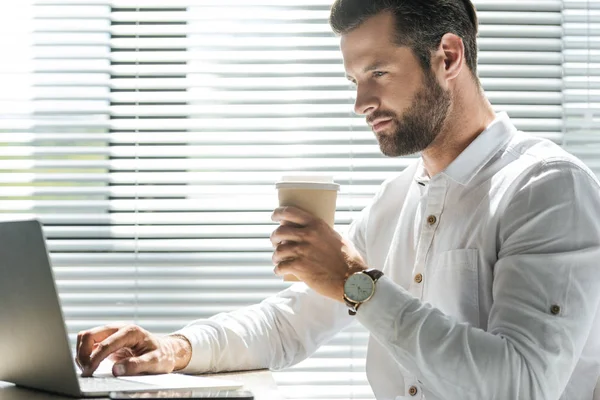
<point>378,74</point>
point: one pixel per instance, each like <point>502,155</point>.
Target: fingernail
<point>119,370</point>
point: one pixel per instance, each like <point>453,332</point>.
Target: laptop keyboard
<point>108,384</point>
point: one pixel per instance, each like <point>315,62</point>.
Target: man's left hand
<point>307,247</point>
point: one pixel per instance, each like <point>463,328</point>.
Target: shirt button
<point>413,391</point>
<point>419,278</point>
<point>431,220</point>
<point>555,310</point>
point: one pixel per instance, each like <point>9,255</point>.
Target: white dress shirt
<point>491,286</point>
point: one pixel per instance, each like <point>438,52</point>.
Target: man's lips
<point>381,124</point>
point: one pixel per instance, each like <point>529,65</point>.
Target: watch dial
<point>358,287</point>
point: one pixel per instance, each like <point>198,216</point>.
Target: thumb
<point>146,363</point>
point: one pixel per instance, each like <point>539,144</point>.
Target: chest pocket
<point>452,284</point>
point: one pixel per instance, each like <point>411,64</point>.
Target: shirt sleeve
<point>546,293</point>
<point>279,332</point>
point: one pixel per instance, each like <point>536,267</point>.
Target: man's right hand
<point>133,349</point>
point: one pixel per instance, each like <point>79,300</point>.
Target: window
<point>148,139</point>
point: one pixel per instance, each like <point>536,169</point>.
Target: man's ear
<point>449,58</point>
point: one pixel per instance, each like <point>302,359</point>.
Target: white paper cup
<point>314,194</point>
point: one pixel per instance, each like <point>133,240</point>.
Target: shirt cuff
<point>199,338</point>
<point>385,307</point>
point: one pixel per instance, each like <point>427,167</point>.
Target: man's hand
<point>309,248</point>
<point>133,349</point>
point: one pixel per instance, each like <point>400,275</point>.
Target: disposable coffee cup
<point>314,194</point>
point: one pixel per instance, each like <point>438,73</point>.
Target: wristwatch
<point>359,288</point>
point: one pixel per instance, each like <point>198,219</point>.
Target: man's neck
<point>463,125</point>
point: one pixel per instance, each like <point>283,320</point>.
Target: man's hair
<point>420,24</point>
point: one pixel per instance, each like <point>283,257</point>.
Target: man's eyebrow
<point>371,67</point>
<point>376,65</point>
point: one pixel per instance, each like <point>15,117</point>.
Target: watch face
<point>358,287</point>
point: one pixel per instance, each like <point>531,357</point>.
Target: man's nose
<point>366,102</point>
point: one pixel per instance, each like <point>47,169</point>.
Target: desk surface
<point>261,383</point>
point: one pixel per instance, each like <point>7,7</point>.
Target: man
<point>489,243</point>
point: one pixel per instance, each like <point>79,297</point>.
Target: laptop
<point>34,344</point>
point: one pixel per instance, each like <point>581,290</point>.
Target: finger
<point>287,251</point>
<point>146,363</point>
<point>87,340</point>
<point>130,336</point>
<point>288,223</point>
<point>287,267</point>
<point>292,214</point>
<point>77,346</point>
<point>83,367</point>
<point>121,354</point>
<point>286,233</point>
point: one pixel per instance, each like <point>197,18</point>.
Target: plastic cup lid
<point>307,182</point>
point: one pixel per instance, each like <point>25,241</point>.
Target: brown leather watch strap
<point>375,274</point>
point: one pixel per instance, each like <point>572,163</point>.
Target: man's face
<point>405,106</point>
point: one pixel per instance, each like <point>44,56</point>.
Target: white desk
<point>260,383</point>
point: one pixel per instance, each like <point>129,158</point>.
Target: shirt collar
<point>477,154</point>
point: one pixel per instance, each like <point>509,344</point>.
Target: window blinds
<point>582,80</point>
<point>147,137</point>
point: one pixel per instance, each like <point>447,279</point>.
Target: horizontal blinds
<point>582,80</point>
<point>156,186</point>
<point>236,115</point>
<point>148,137</point>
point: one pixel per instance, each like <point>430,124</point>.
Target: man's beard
<point>420,124</point>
